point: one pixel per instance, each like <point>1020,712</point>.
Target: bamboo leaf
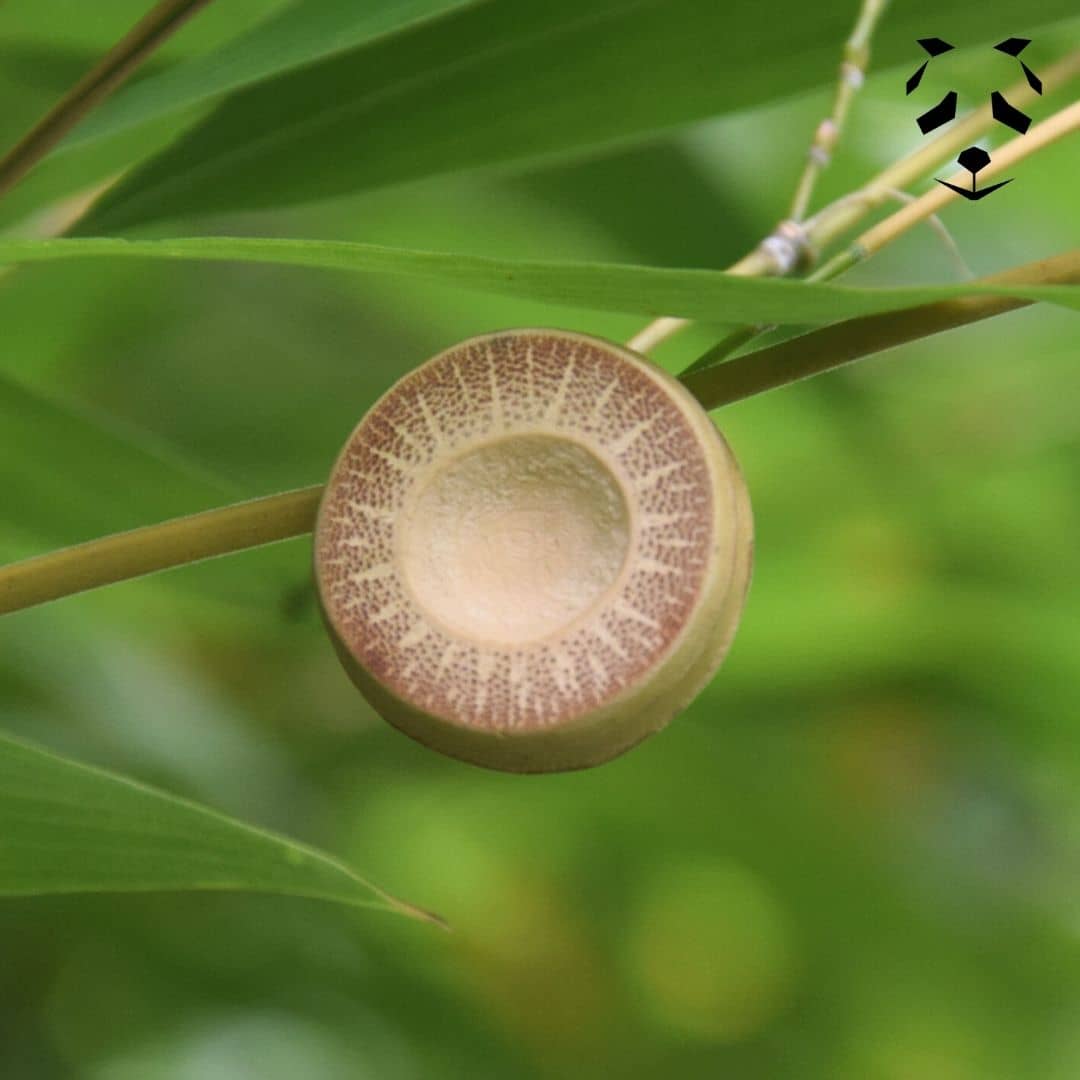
<point>503,81</point>
<point>67,828</point>
<point>141,118</point>
<point>708,295</point>
<point>302,33</point>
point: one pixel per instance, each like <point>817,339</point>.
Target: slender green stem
<point>761,261</point>
<point>157,547</point>
<point>118,64</point>
<point>852,75</point>
<point>834,346</point>
<point>659,330</point>
<point>729,344</point>
<point>836,266</point>
<point>843,214</point>
<point>756,263</point>
<point>1062,123</point>
<point>278,517</point>
<point>780,252</point>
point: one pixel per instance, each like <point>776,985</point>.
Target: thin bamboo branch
<point>770,256</point>
<point>840,344</point>
<point>853,67</point>
<point>780,252</point>
<point>743,335</point>
<point>157,547</point>
<point>1062,123</point>
<point>279,517</point>
<point>118,64</point>
<point>756,263</point>
<point>837,218</point>
<point>659,330</point>
<point>727,345</point>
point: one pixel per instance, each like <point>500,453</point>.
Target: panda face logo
<point>974,158</point>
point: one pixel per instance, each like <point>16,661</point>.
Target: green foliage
<point>297,36</point>
<point>698,294</point>
<point>851,857</point>
<point>65,828</point>
<point>499,82</point>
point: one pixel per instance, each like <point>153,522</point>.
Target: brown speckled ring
<point>533,551</point>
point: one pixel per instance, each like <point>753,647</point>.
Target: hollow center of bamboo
<point>512,541</point>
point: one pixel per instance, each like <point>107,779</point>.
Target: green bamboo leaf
<point>92,28</point>
<point>31,79</point>
<point>152,111</point>
<point>301,34</point>
<point>42,55</point>
<point>503,81</point>
<point>708,295</point>
<point>67,828</point>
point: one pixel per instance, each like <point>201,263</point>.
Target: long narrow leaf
<point>301,34</point>
<point>508,80</point>
<point>709,295</point>
<point>67,827</point>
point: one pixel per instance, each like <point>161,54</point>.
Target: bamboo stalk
<point>111,72</point>
<point>852,75</point>
<point>279,517</point>
<point>157,547</point>
<point>780,252</point>
<point>835,346</point>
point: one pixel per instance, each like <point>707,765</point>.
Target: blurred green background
<point>855,856</point>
